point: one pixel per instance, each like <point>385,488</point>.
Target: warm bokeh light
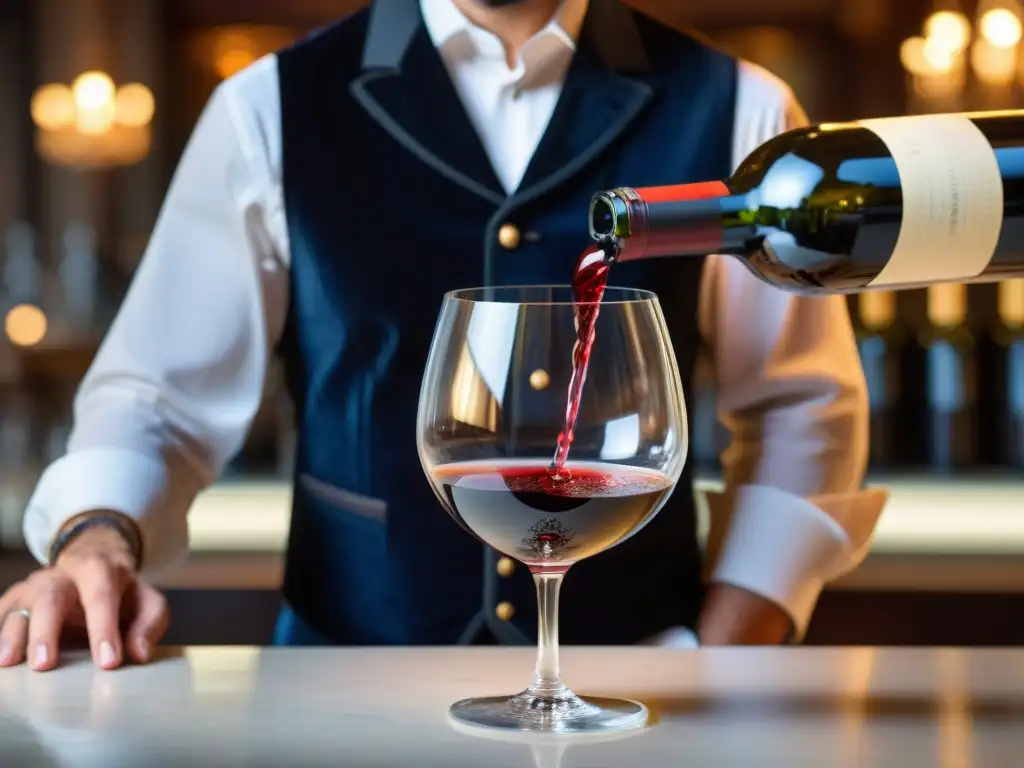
<point>230,63</point>
<point>938,55</point>
<point>226,50</point>
<point>926,56</point>
<point>134,105</point>
<point>232,53</point>
<point>950,30</point>
<point>94,95</point>
<point>53,107</point>
<point>93,123</point>
<point>25,325</point>
<point>912,56</point>
<point>947,304</point>
<point>993,65</point>
<point>942,91</point>
<point>93,91</point>
<point>1011,303</point>
<point>877,309</point>
<point>1000,27</point>
<point>936,58</point>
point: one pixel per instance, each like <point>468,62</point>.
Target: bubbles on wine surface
<point>570,481</point>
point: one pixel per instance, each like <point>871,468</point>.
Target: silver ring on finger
<point>18,612</point>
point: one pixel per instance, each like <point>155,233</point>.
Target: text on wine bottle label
<point>952,198</point>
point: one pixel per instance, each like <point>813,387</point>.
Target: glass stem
<point>546,680</point>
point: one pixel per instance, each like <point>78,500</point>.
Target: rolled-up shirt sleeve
<point>179,377</point>
<point>790,388</point>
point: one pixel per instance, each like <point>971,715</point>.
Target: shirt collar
<point>450,29</point>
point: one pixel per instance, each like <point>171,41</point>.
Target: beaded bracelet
<point>127,528</point>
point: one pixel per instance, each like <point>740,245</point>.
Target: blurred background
<point>99,96</point>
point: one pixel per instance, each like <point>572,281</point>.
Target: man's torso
<point>391,201</point>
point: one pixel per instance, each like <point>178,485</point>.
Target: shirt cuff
<point>676,638</point>
<point>106,478</point>
<point>784,547</point>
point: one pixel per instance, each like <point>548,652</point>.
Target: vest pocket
<point>367,507</point>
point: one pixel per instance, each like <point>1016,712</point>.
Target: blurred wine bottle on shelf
<point>951,376</point>
<point>78,276</point>
<point>22,271</point>
<point>19,460</point>
<point>880,341</point>
<point>1007,374</point>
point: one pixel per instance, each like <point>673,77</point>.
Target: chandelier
<point>93,123</point>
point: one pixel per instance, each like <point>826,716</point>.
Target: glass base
<point>564,712</point>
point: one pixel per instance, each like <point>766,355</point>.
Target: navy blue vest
<point>391,202</point>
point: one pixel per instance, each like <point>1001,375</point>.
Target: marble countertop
<point>743,707</point>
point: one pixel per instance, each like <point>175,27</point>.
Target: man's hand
<point>734,616</point>
<point>92,586</point>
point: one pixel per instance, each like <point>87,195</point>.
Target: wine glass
<point>492,412</point>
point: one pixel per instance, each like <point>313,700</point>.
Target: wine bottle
<point>879,339</point>
<point>22,272</point>
<point>79,275</point>
<point>18,462</point>
<point>1009,337</point>
<point>892,203</point>
<point>951,387</point>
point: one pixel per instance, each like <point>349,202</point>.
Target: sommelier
<point>328,198</point>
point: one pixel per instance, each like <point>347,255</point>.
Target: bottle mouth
<point>609,216</point>
<point>602,218</point>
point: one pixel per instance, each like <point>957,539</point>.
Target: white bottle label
<point>952,198</point>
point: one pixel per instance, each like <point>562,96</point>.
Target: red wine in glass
<point>588,283</point>
<point>545,519</point>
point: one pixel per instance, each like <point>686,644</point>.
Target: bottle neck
<point>683,220</point>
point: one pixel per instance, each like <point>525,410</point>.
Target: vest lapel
<point>604,92</point>
<point>406,89</point>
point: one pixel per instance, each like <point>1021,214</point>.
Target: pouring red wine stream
<point>588,283</point>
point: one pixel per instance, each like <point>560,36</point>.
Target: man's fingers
<point>101,589</point>
<point>52,601</point>
<point>9,599</point>
<point>13,637</point>
<point>149,623</point>
<point>9,636</point>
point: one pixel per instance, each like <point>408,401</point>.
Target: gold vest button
<point>505,611</point>
<point>509,237</point>
<point>506,566</point>
<point>539,379</point>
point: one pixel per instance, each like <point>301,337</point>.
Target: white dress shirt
<point>177,381</point>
